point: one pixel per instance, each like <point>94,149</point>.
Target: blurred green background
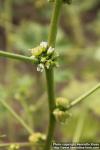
<point>23,25</point>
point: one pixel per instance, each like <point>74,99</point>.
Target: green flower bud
<point>43,59</point>
<point>61,116</point>
<point>48,64</point>
<point>50,50</point>
<point>14,147</point>
<point>37,51</point>
<point>62,102</point>
<point>37,138</point>
<point>44,45</point>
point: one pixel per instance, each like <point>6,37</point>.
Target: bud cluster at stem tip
<point>44,56</point>
<point>37,138</point>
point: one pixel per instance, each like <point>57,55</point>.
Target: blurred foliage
<point>28,35</point>
<point>78,72</point>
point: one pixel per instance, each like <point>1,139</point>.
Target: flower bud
<point>44,44</point>
<point>36,138</point>
<point>44,56</point>
<point>36,51</point>
<point>43,59</point>
<point>61,116</point>
<point>14,147</point>
<point>48,64</point>
<point>50,50</point>
<point>40,67</point>
<point>62,102</point>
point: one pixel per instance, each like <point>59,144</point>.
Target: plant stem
<point>27,113</point>
<point>51,102</point>
<point>82,97</point>
<point>50,74</point>
<point>54,23</point>
<point>16,56</point>
<point>3,102</point>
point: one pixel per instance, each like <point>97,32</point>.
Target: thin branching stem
<point>84,96</point>
<point>18,118</point>
<point>16,56</point>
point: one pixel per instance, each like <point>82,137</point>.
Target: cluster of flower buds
<point>61,115</point>
<point>14,147</point>
<point>44,56</point>
<point>62,103</point>
<point>65,1</point>
<point>37,138</point>
<point>60,112</point>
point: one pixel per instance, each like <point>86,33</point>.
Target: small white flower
<point>44,44</point>
<point>40,67</point>
<point>50,50</point>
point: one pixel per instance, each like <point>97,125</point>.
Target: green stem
<point>82,97</point>
<point>27,114</point>
<point>54,23</point>
<point>51,102</point>
<point>3,102</point>
<point>16,56</point>
<point>50,75</point>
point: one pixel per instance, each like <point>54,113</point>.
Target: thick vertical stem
<point>49,73</point>
<point>54,23</point>
<point>51,102</point>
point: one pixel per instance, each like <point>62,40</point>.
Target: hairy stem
<point>16,56</point>
<point>50,75</point>
<point>82,97</point>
